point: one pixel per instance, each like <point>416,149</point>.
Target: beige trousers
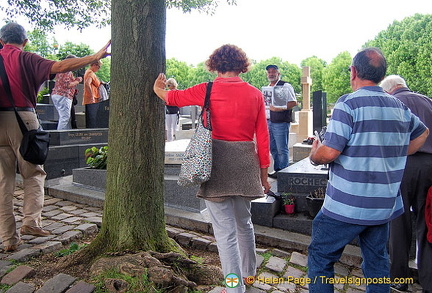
<point>33,177</point>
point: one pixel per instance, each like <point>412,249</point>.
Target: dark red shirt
<point>26,72</point>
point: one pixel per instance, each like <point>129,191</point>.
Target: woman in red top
<point>240,157</point>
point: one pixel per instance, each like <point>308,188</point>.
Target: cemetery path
<point>33,266</point>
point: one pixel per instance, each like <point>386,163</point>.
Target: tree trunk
<point>134,201</point>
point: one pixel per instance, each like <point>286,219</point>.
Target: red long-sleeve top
<point>237,111</point>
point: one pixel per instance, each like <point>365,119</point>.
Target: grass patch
<point>135,284</point>
<point>74,247</point>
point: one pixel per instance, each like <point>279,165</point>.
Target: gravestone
<point>300,179</point>
<point>103,114</point>
<point>264,210</point>
<point>319,110</point>
<point>48,115</point>
<point>301,150</point>
<point>175,196</point>
<point>67,148</point>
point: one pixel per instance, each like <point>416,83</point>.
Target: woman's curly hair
<point>228,58</point>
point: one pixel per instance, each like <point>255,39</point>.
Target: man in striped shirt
<point>366,143</point>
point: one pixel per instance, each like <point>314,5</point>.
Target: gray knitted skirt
<point>235,172</point>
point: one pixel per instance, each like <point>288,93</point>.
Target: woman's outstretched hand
<point>159,86</point>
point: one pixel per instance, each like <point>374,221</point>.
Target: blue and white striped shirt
<point>372,130</point>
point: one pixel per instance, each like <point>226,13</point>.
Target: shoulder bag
<point>35,143</point>
<point>197,159</point>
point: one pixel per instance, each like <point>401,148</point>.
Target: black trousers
<point>415,184</point>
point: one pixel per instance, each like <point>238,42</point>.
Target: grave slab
<point>47,112</point>
<point>264,209</point>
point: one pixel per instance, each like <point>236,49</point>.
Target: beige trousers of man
<point>33,177</point>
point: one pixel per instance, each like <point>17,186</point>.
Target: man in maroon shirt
<point>26,72</point>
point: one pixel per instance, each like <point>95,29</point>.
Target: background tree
<point>257,75</point>
<point>40,44</point>
<point>336,79</point>
<point>407,45</point>
<point>201,74</point>
<point>45,14</point>
<point>180,71</point>
<point>69,48</point>
<point>317,66</point>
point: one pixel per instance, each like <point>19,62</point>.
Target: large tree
<point>407,45</point>
<point>134,201</point>
<point>336,77</point>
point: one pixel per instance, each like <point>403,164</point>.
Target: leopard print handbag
<point>197,159</point>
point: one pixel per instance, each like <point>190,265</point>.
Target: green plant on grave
<point>288,198</point>
<point>41,94</point>
<point>96,158</point>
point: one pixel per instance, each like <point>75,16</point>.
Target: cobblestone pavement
<point>279,271</point>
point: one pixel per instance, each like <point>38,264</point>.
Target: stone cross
<point>305,115</point>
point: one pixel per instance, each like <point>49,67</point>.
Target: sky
<point>291,30</point>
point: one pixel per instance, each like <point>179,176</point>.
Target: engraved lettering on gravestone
<point>307,181</point>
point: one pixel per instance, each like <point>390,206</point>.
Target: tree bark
<point>134,201</point>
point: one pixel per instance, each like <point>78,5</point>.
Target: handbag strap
<point>205,111</point>
<point>6,87</point>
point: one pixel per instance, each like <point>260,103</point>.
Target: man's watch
<point>313,163</point>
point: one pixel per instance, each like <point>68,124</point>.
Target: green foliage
<point>316,71</point>
<point>41,93</point>
<point>257,75</point>
<point>40,44</point>
<point>407,46</point>
<point>97,158</point>
<point>288,198</point>
<point>104,73</point>
<point>336,79</point>
<point>45,14</point>
<point>197,259</point>
<point>180,71</point>
<point>69,48</point>
<point>208,6</point>
<point>200,74</point>
<point>266,256</point>
<point>4,287</point>
<point>74,247</point>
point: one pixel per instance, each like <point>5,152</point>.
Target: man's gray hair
<point>13,33</point>
<point>391,82</point>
